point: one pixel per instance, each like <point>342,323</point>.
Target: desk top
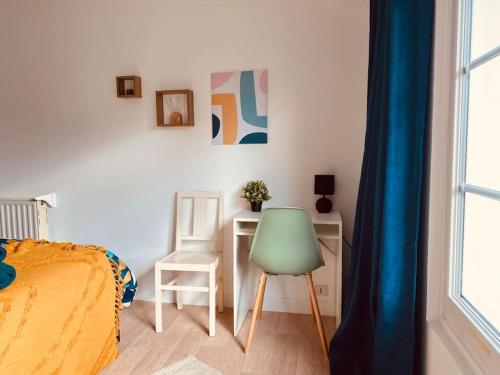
<point>333,217</point>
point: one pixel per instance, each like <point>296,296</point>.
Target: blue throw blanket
<point>7,273</point>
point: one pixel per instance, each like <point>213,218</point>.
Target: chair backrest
<point>285,242</point>
<point>205,214</point>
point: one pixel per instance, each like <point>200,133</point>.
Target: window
<point>475,270</point>
<point>463,268</point>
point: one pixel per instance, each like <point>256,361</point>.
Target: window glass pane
<point>481,256</point>
<point>483,135</point>
<point>485,26</point>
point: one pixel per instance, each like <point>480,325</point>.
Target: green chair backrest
<point>285,242</point>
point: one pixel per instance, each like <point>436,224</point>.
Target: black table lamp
<point>324,185</point>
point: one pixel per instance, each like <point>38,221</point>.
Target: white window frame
<point>460,187</point>
<point>455,322</point>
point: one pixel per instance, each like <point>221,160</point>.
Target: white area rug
<point>188,366</point>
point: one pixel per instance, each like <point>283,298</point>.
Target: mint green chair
<point>285,243</point>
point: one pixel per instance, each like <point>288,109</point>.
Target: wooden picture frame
<point>187,119</point>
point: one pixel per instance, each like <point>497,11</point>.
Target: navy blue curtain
<point>380,332</point>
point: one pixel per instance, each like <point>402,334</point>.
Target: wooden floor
<point>283,343</point>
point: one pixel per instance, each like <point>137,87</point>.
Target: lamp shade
<point>324,184</point>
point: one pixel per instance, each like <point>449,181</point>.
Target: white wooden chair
<point>207,260</point>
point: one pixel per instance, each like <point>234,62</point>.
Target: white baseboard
<point>298,305</point>
<point>277,304</point>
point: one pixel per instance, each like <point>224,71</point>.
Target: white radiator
<point>23,219</point>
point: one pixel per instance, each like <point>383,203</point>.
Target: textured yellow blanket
<point>61,313</point>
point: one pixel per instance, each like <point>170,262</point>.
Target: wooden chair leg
<point>158,301</point>
<point>178,294</point>
<point>260,291</point>
<point>312,309</point>
<point>261,303</point>
<point>211,302</point>
<point>220,296</point>
<point>319,323</point>
<point>220,289</point>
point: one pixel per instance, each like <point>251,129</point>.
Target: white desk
<point>329,230</point>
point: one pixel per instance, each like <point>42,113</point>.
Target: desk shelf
<point>327,232</point>
<point>324,231</point>
<point>245,232</point>
<point>245,228</point>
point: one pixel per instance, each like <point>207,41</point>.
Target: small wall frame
<point>128,87</point>
<point>174,108</point>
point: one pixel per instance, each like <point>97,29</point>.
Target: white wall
<point>63,130</point>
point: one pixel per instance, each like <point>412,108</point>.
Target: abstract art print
<point>239,107</point>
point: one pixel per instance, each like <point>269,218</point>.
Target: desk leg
<point>338,294</point>
<point>243,281</point>
<point>236,281</point>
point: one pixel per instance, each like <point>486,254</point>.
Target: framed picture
<point>239,107</point>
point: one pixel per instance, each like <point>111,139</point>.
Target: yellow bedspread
<point>61,313</point>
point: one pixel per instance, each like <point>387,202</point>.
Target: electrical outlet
<point>321,290</point>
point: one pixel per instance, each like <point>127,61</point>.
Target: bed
<point>61,314</point>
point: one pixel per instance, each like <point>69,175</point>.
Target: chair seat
<point>181,260</point>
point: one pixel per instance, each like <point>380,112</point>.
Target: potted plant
<point>255,192</point>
